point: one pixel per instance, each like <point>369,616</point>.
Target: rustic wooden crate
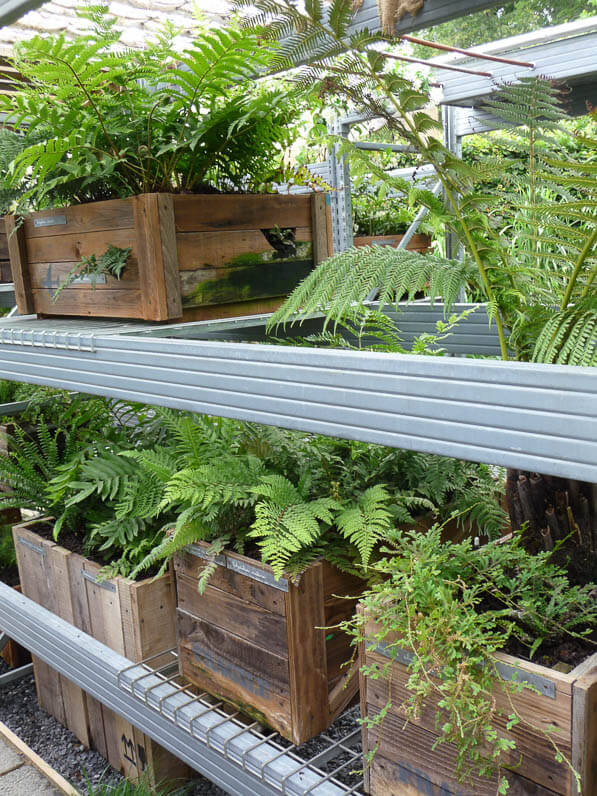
<point>418,243</point>
<point>134,619</point>
<point>260,643</point>
<point>406,763</point>
<point>191,255</point>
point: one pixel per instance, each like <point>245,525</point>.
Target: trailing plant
<point>109,122</point>
<point>111,263</point>
<point>453,607</point>
<point>521,298</point>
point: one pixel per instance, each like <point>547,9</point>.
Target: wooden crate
<point>406,763</point>
<point>134,619</point>
<point>418,243</point>
<point>260,643</point>
<point>191,255</point>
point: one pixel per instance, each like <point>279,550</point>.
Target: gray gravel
<point>58,746</point>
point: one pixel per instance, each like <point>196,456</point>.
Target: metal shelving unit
<point>232,752</point>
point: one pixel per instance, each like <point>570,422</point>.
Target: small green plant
<point>123,787</point>
<point>453,607</point>
<point>111,263</point>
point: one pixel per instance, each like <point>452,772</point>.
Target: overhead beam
<point>434,12</point>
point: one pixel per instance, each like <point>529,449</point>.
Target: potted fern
<point>148,173</point>
<point>59,565</point>
<point>271,532</point>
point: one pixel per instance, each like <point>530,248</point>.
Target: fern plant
<point>107,121</point>
<point>555,196</point>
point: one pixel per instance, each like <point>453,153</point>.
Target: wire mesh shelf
<point>328,765</point>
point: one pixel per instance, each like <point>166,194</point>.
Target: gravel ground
<point>58,746</point>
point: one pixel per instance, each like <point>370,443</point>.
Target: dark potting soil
<point>58,746</point>
<point>9,575</point>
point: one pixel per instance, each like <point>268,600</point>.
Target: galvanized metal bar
<point>537,417</point>
<point>15,674</point>
<point>95,668</point>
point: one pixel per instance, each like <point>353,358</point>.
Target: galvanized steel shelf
<point>233,753</point>
<point>533,417</point>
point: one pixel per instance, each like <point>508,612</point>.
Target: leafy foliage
<point>454,607</point>
<point>553,199</point>
<point>106,121</point>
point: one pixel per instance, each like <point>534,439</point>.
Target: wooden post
<point>17,250</point>
<point>307,661</point>
<point>158,262</point>
<point>320,218</point>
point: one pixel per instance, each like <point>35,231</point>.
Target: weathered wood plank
<point>418,243</point>
<point>234,583</point>
<point>584,732</point>
<point>70,248</point>
<point>225,248</point>
<point>158,264</point>
<point>536,711</point>
<point>110,214</point>
<point>32,553</point>
<point>52,275</point>
<point>228,612</point>
<point>102,303</point>
<point>319,219</point>
<point>226,285</point>
<point>235,310</point>
<point>233,669</point>
<point>19,265</point>
<point>306,654</point>
<point>212,213</point>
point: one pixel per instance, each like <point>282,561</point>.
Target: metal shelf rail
<point>528,416</point>
<point>232,753</point>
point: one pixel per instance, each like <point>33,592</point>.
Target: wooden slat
<point>111,214</point>
<point>363,682</point>
<point>217,249</point>
<point>319,221</point>
<point>19,265</point>
<point>306,655</point>
<point>82,620</point>
<point>226,285</point>
<point>52,275</point>
<point>236,310</point>
<point>158,264</point>
<point>246,589</point>
<point>3,242</point>
<point>216,212</point>
<point>234,615</point>
<point>418,243</point>
<point>34,583</point>
<point>101,303</point>
<point>75,703</point>
<point>230,667</point>
<point>539,764</point>
<point>70,248</point>
<point>584,732</point>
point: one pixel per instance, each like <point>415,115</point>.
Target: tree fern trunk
<point>555,510</point>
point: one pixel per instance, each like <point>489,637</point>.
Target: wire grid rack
<point>330,763</point>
